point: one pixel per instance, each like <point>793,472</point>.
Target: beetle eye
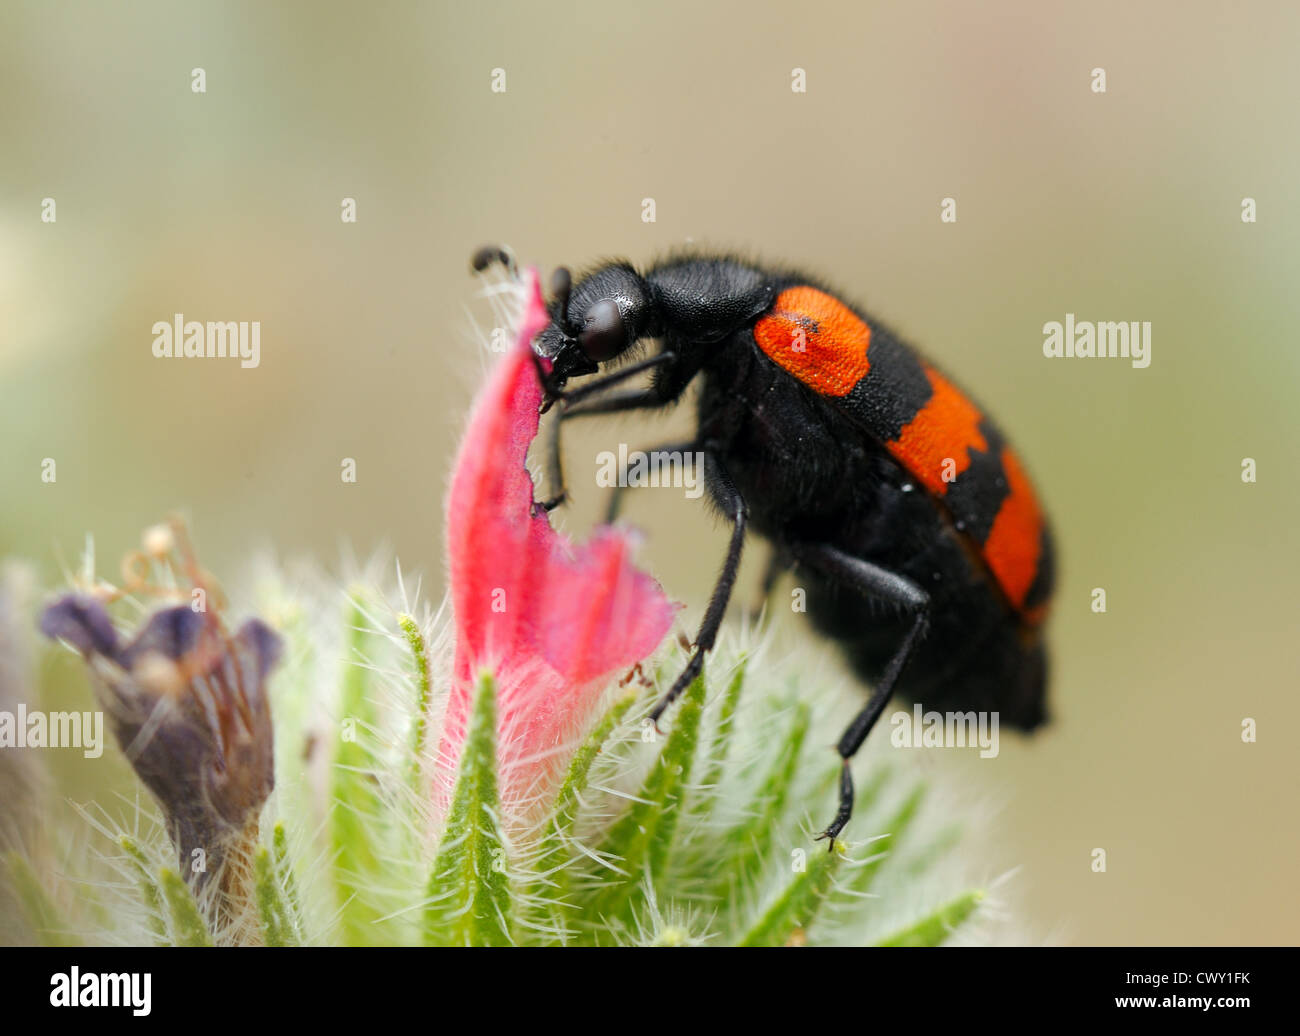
<point>602,335</point>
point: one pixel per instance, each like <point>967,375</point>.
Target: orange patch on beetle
<point>946,428</point>
<point>1013,544</point>
<point>816,338</point>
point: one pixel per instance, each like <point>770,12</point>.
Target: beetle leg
<point>732,505</point>
<point>617,402</point>
<point>616,497</point>
<point>554,382</point>
<point>872,581</point>
<point>574,396</point>
<point>670,381</point>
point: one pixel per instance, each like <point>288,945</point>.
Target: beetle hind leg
<point>876,582</point>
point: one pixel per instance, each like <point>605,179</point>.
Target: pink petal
<point>618,618</point>
<point>554,621</point>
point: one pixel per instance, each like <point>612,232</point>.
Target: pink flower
<point>552,620</point>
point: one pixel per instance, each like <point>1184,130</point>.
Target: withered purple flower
<point>187,702</point>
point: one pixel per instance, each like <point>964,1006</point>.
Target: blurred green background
<point>1121,206</point>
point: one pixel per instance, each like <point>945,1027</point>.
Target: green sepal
<point>469,900</point>
<point>640,841</point>
<point>149,891</point>
<point>187,923</point>
<point>935,929</point>
<point>272,907</point>
<point>787,920</point>
<point>356,813</point>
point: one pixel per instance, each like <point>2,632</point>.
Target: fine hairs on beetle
<point>869,472</point>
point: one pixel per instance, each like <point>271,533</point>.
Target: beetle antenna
<point>561,287</point>
<point>489,254</point>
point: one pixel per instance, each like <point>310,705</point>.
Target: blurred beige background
<point>1123,206</point>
